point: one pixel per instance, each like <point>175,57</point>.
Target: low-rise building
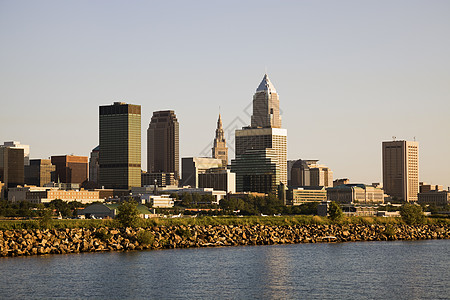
<point>104,210</point>
<point>434,197</point>
<point>355,194</point>
<point>35,194</point>
<point>299,196</point>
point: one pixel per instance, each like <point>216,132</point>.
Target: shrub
<point>412,214</point>
<point>128,215</point>
<point>145,237</point>
<point>184,233</point>
<point>335,211</point>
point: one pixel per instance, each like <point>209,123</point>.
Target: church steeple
<point>220,149</point>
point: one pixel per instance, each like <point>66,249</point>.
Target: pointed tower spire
<point>266,106</point>
<point>220,149</point>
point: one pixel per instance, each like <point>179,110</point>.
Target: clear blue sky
<point>350,74</point>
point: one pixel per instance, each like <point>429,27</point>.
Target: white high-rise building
<point>264,133</point>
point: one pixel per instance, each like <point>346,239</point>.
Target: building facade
<point>257,171</point>
<point>70,168</point>
<point>162,179</point>
<point>11,168</point>
<point>219,179</point>
<point>163,143</point>
<point>299,196</point>
<point>94,165</point>
<point>401,169</point>
<point>193,166</point>
<point>220,149</point>
<point>310,173</point>
<point>39,172</point>
<point>434,197</point>
<point>120,145</point>
<point>355,194</point>
<point>18,145</point>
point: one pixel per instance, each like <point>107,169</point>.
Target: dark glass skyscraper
<point>163,143</point>
<point>120,146</point>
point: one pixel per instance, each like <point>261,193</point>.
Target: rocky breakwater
<point>61,241</point>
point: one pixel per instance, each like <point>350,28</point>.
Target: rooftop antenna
<point>265,70</point>
<point>414,139</point>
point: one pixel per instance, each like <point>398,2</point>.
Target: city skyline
<point>350,75</point>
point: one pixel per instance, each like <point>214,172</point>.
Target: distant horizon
<point>349,75</point>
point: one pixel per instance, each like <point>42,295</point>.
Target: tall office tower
<point>401,169</point>
<point>266,106</point>
<point>39,172</point>
<point>120,146</point>
<point>70,168</point>
<point>310,173</point>
<point>163,143</point>
<point>264,133</point>
<point>18,145</point>
<point>11,168</point>
<point>220,149</point>
<point>94,167</point>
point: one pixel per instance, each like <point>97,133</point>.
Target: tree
<point>128,215</point>
<point>334,211</point>
<point>412,214</point>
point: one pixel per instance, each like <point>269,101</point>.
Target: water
<point>363,270</point>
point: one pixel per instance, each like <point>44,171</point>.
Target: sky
<point>349,74</point>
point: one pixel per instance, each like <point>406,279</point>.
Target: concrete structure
<point>310,173</point>
<point>264,133</point>
<point>46,194</point>
<point>94,165</point>
<point>434,197</point>
<point>192,166</point>
<point>355,193</point>
<point>70,168</point>
<point>220,149</point>
<point>120,146</point>
<point>218,179</point>
<point>18,145</point>
<point>162,179</point>
<point>11,168</point>
<point>401,169</point>
<point>163,143</point>
<point>257,171</point>
<point>39,172</point>
<point>299,196</point>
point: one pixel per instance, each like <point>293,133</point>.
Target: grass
<point>205,221</point>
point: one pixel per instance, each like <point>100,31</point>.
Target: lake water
<point>362,270</point>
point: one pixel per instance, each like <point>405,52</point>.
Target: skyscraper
<point>163,143</point>
<point>18,145</point>
<point>220,149</point>
<point>401,169</point>
<point>39,172</point>
<point>264,133</point>
<point>120,145</point>
<point>11,168</point>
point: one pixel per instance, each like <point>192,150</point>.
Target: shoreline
<point>26,242</point>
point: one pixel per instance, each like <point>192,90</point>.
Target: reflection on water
<point>370,270</point>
